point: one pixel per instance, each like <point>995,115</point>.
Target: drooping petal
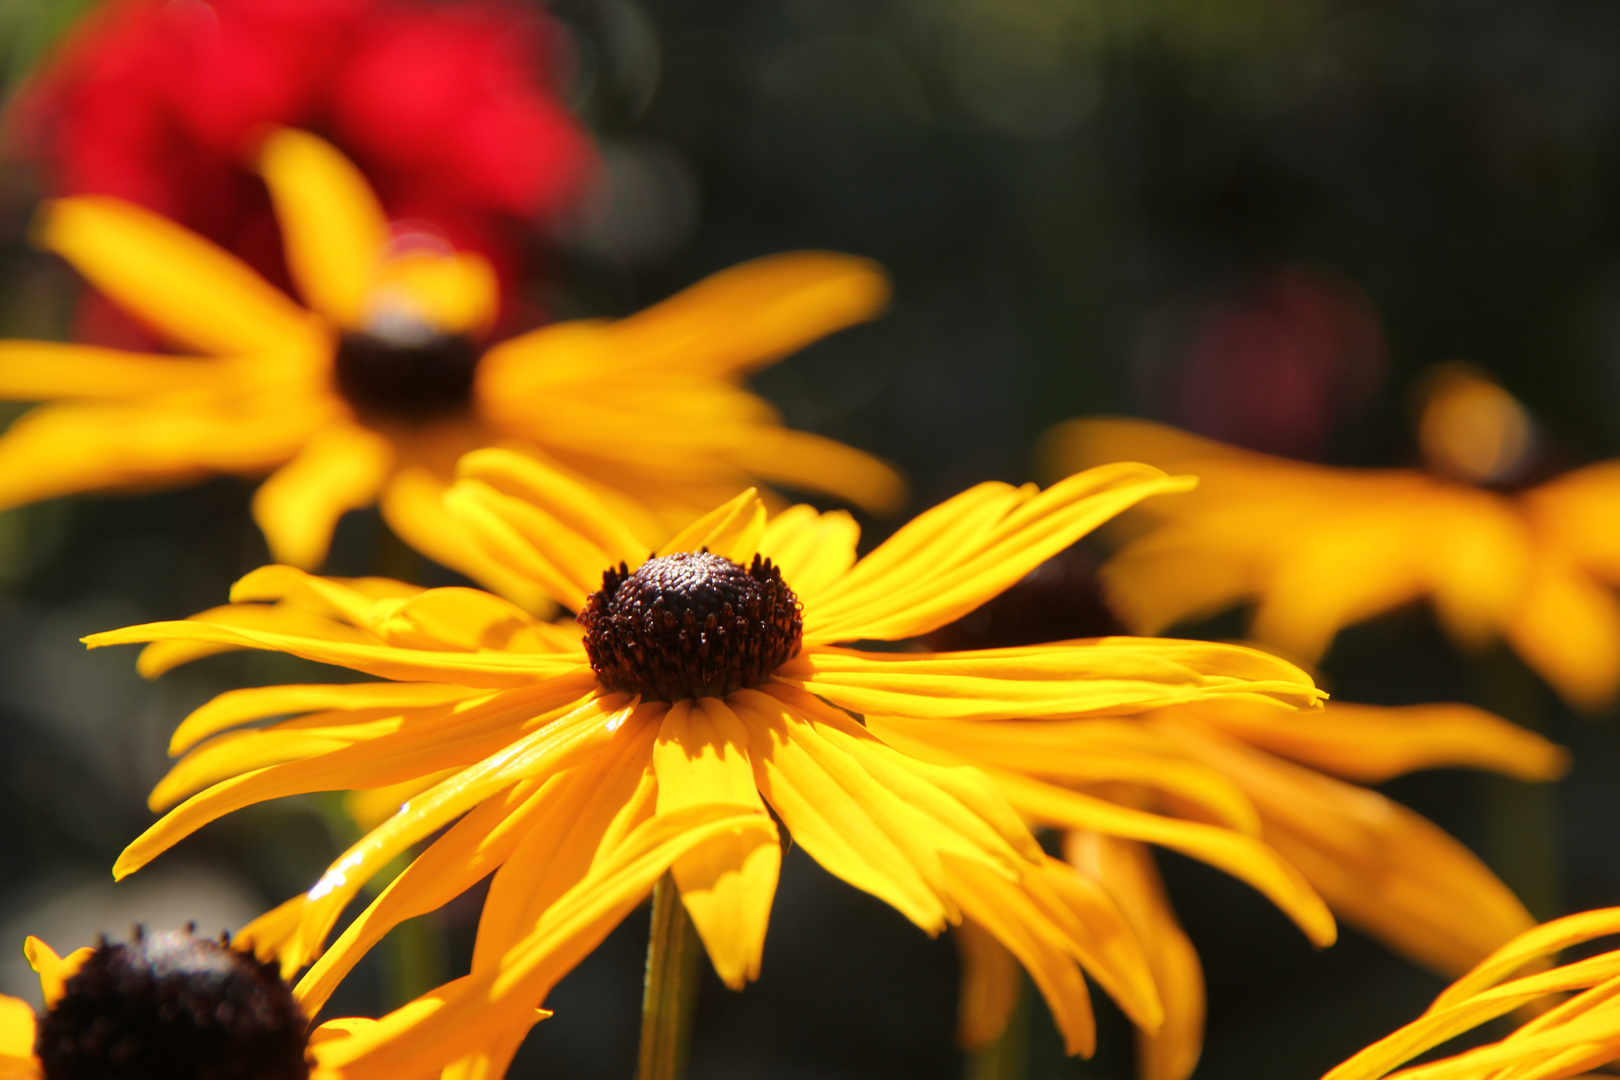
<point>1066,679</point>
<point>197,294</point>
<point>1242,856</point>
<point>1125,869</point>
<point>1374,743</point>
<point>471,849</point>
<point>340,469</point>
<point>1078,752</point>
<point>1376,863</point>
<point>458,1018</point>
<point>333,228</point>
<point>702,757</point>
<point>951,559</point>
<point>539,755</point>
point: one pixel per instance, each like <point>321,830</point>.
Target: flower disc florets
<point>690,625</point>
<point>173,1007</point>
<point>405,370</point>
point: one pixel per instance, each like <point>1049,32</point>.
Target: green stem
<point>1008,1057</point>
<point>670,998</point>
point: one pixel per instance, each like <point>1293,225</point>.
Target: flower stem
<point>1008,1057</point>
<point>670,998</point>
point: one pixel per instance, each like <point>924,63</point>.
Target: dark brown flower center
<point>690,625</point>
<point>404,370</point>
<point>173,1007</point>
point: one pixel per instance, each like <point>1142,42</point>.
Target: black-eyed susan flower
<point>169,1005</point>
<point>1576,1007</point>
<point>1259,771</point>
<point>374,390</point>
<point>1317,548</point>
<point>709,678</point>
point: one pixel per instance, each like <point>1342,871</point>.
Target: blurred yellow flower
<point>709,686</point>
<point>1576,1029</point>
<point>374,391</point>
<point>1318,548</point>
<point>1254,770</point>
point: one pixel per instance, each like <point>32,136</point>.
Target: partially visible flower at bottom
<point>169,1005</point>
<point>709,700</point>
<point>1576,1027</point>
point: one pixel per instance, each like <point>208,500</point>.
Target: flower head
<point>1576,1028</point>
<point>160,1005</point>
<point>711,685</point>
<point>373,391</point>
<point>1316,548</point>
<point>446,107</point>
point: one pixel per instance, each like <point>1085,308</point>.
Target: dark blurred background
<point>1260,219</point>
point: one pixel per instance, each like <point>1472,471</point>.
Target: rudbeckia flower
<point>372,392</point>
<point>449,108</point>
<point>1576,1025</point>
<point>1316,548</point>
<point>709,676</point>
<point>169,1005</point>
<point>1259,771</point>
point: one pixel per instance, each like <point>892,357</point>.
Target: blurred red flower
<point>446,107</point>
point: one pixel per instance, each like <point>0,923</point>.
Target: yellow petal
<point>1125,868</point>
<point>806,462</point>
<point>453,736</point>
<point>53,971</point>
<point>1568,630</point>
<point>529,543</point>
<point>332,226</point>
<point>256,703</point>
<point>340,469</point>
<point>950,560</point>
<point>1064,679</point>
<point>727,888</point>
<point>733,530</point>
<point>171,651</point>
<point>17,1061</point>
<point>413,505</point>
<point>468,851</point>
<point>198,295</point>
<point>567,501</point>
<point>70,448</point>
<point>1374,743</point>
<point>412,665</point>
<point>811,549</point>
<point>455,293</point>
<point>42,370</point>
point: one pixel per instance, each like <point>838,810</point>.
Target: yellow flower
<point>1577,1027</point>
<point>374,391</point>
<point>1258,771</point>
<point>1317,548</point>
<point>710,685</point>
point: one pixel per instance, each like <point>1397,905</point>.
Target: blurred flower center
<point>401,368</point>
<point>690,625</point>
<point>1473,430</point>
<point>173,1005</point>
